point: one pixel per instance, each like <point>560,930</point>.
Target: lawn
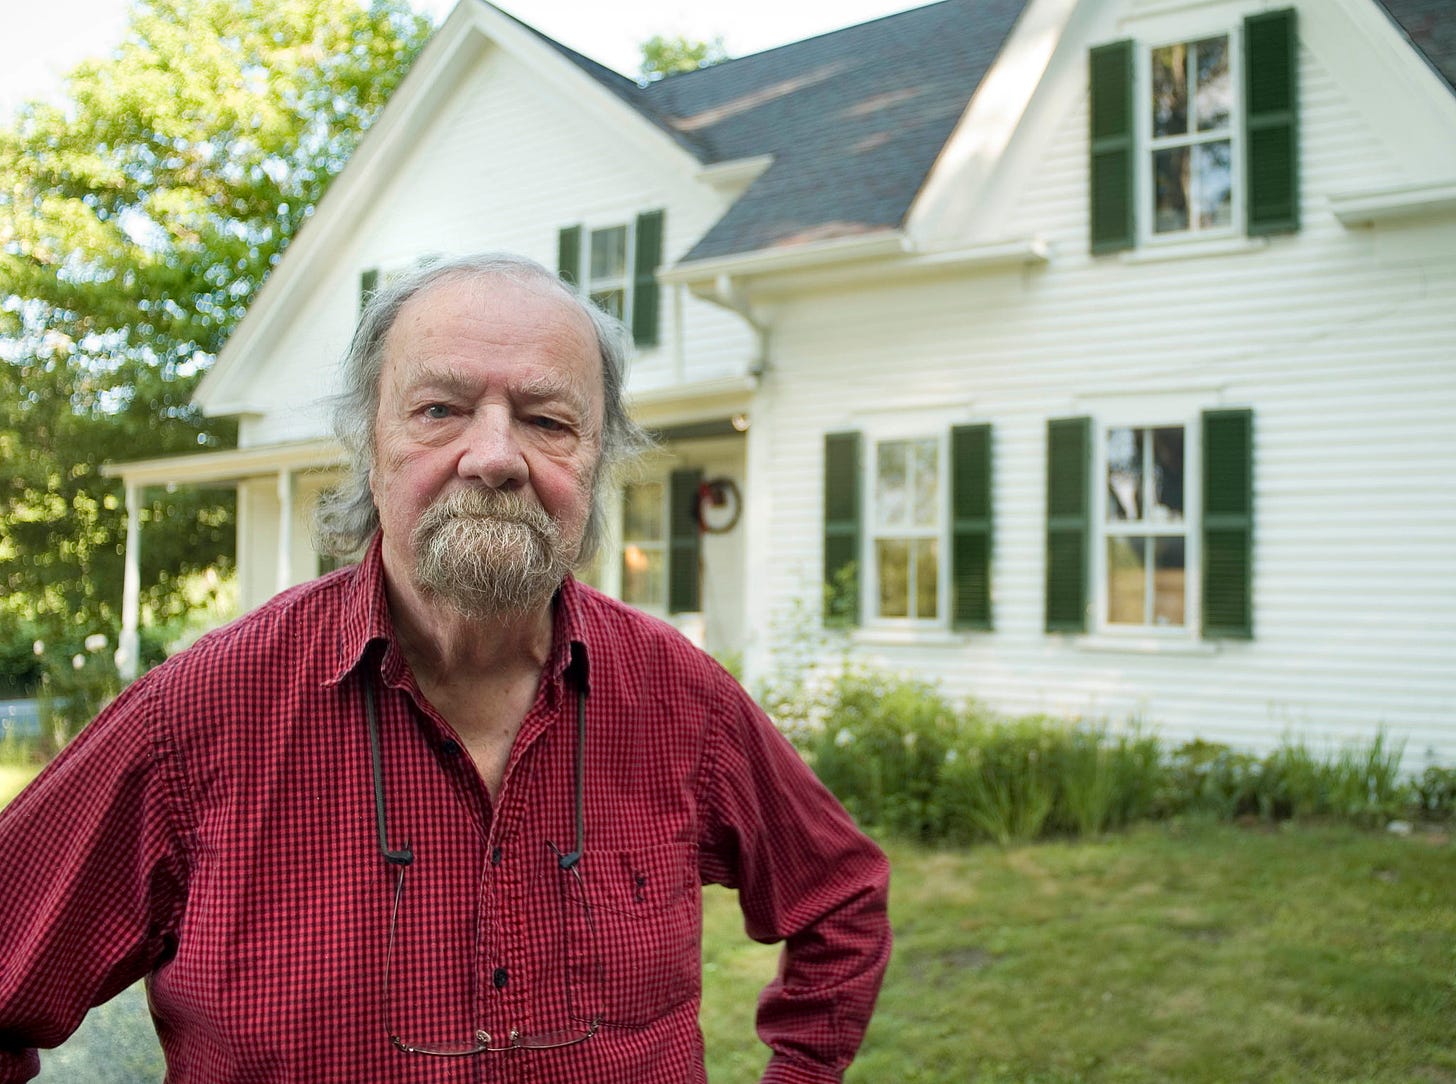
<point>1186,953</point>
<point>12,778</point>
<point>1201,953</point>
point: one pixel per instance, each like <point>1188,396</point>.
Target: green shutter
<point>970,485</point>
<point>684,542</point>
<point>368,284</point>
<point>1271,115</point>
<point>568,255</point>
<point>1228,523</point>
<point>645,290</point>
<point>1068,530</point>
<point>841,528</point>
<point>1112,179</point>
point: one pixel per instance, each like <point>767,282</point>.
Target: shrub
<point>906,761</point>
<point>1208,778</point>
<point>1435,793</point>
<point>882,748</point>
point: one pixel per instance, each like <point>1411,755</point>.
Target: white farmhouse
<point>1092,357</point>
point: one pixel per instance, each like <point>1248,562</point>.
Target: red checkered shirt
<point>214,831</point>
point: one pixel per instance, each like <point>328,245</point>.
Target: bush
<point>906,761</point>
<point>1435,793</point>
<point>882,750</point>
<point>1208,778</point>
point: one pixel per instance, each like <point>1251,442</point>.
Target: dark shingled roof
<point>1431,27</point>
<point>854,119</point>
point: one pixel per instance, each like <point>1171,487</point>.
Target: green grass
<point>13,778</point>
<point>1201,953</point>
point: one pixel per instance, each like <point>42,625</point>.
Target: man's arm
<point>807,877</point>
<point>92,882</point>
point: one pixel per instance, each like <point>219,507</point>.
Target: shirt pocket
<point>634,947</point>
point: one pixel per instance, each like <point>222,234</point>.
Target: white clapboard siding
<point>1343,343</point>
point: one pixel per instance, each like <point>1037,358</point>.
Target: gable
<point>488,103</point>
<point>1376,121</point>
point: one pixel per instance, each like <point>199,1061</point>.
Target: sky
<point>40,40</point>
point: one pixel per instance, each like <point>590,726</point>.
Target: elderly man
<point>442,816</point>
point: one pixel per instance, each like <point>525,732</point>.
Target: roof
<point>853,119</point>
<point>1431,27</point>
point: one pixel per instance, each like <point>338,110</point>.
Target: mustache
<point>492,504</point>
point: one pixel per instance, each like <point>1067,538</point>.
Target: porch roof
<point>232,465</point>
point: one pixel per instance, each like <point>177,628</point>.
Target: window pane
<point>927,482</point>
<point>609,253</point>
<point>642,512</point>
<point>1214,183</point>
<point>1214,92</point>
<point>893,560</point>
<point>643,576</point>
<point>1124,474</point>
<point>1167,476</point>
<point>612,301</point>
<point>1170,181</point>
<point>892,484</point>
<point>927,577</point>
<point>1169,581</point>
<point>1170,90</point>
<point>1126,581</point>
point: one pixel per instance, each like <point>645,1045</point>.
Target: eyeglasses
<point>482,1042</point>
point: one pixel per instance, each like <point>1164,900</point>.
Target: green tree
<point>663,55</point>
<point>137,220</point>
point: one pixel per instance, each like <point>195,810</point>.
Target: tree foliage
<point>137,219</point>
<point>662,55</point>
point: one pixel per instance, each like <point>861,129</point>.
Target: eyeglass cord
<point>404,856</point>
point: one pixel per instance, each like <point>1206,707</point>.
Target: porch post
<point>285,529</point>
<point>128,651</point>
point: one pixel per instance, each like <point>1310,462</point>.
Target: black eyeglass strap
<point>567,861</point>
<point>404,856</point>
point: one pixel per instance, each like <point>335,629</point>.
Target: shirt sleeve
<point>93,882</point>
<point>807,877</point>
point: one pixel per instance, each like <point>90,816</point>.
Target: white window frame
<point>1148,416</point>
<point>1147,194</point>
<point>873,437</point>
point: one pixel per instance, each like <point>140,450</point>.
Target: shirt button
<point>450,748</point>
<point>495,856</point>
<point>500,978</point>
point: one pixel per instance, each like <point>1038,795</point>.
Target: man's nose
<point>492,452</point>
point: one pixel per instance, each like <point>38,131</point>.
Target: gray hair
<point>346,518</point>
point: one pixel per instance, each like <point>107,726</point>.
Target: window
<point>922,534</point>
<point>606,282</point>
<point>1195,138</point>
<point>661,543</point>
<point>1144,527</point>
<point>1191,137</point>
<point>906,536</point>
<point>644,545</point>
<point>1160,515</point>
<point>616,266</point>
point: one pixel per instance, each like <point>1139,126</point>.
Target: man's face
<point>487,442</point>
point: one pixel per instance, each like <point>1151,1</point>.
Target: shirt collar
<point>364,620</point>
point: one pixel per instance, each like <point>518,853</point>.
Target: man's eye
<point>549,424</point>
<point>437,411</point>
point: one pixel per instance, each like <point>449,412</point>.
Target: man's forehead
<point>436,326</point>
